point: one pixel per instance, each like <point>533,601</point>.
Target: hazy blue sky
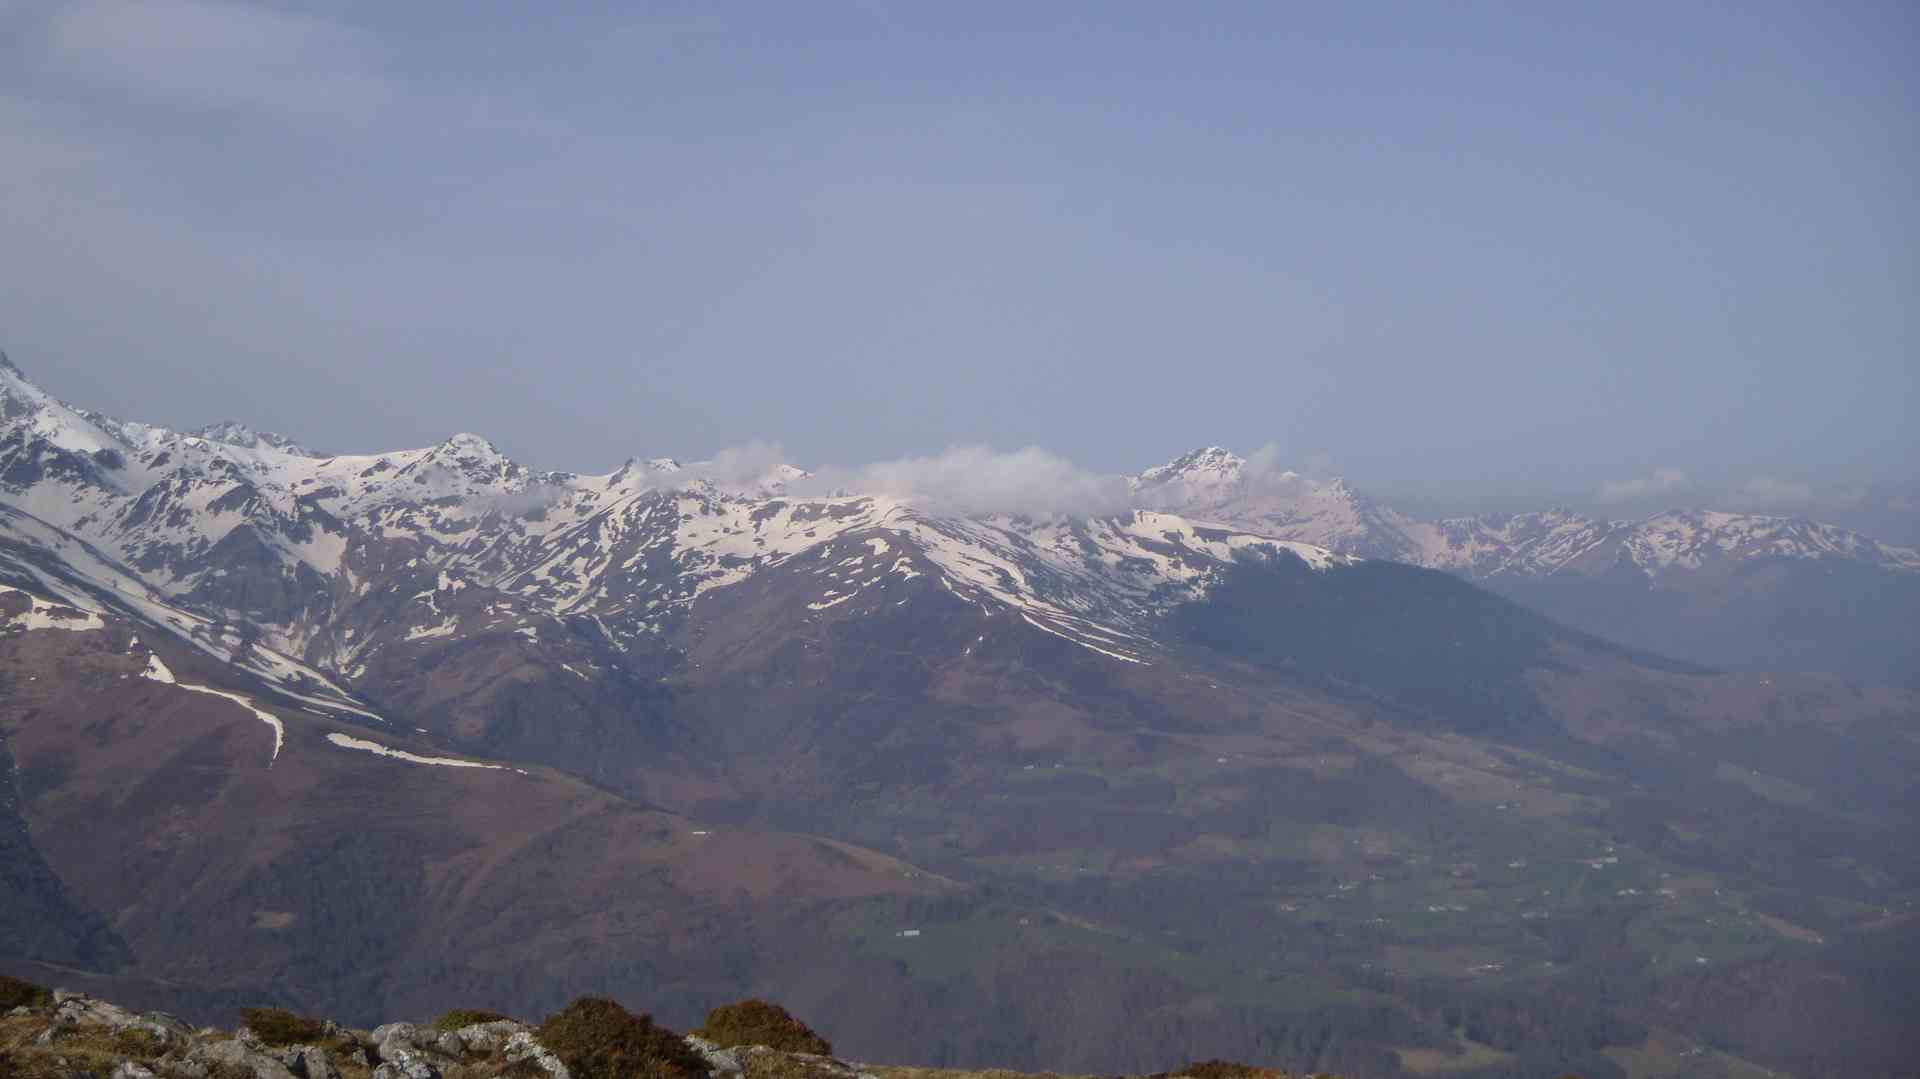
<point>1456,247</point>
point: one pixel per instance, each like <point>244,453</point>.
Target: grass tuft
<point>460,1018</point>
<point>278,1026</point>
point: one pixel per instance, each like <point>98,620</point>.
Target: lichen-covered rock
<point>523,1047</point>
<point>168,1029</point>
<point>393,1040</point>
<point>408,1066</point>
<point>73,1011</point>
<point>132,1069</point>
<point>187,1069</point>
<point>238,1054</point>
<point>487,1037</point>
<point>724,1063</point>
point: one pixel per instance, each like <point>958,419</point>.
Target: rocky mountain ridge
<point>301,554</point>
<point>1215,484</point>
<point>1738,590</point>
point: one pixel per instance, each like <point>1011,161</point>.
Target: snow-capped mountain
<point>1727,589</point>
<point>335,575</point>
<point>1214,484</point>
<point>343,564</point>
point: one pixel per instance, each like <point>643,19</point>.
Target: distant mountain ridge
<point>248,535</point>
<point>1748,591</point>
<point>1214,483</point>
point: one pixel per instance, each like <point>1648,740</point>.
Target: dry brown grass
<point>909,1072</point>
<point>776,1065</point>
<point>278,1026</point>
<point>91,1050</point>
<point>466,1017</point>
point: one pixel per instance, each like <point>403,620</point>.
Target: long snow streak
<point>158,671</point>
<point>347,741</point>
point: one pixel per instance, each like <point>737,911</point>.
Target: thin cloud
<point>1662,481</point>
<point>1265,471</point>
<point>210,54</point>
<point>978,481</point>
<point>742,466</point>
<point>1768,492</point>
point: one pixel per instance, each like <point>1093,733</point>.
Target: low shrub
<point>756,1022</point>
<point>1228,1069</point>
<point>15,993</point>
<point>465,1017</point>
<point>598,1039</point>
<point>278,1026</point>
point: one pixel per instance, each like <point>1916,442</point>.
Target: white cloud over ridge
<point>746,465</point>
<point>1662,481</point>
<point>979,481</point>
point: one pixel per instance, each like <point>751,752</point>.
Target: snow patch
<point>346,741</point>
<point>44,614</point>
<point>158,671</point>
<point>279,729</point>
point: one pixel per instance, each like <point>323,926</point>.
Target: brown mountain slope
<point>331,873</point>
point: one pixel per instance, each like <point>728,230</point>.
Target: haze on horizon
<point>1630,254</point>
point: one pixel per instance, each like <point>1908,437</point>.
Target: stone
<point>237,1054</point>
<point>130,1069</point>
<point>722,1062</point>
<point>486,1037</point>
<point>312,1062</point>
<point>523,1047</point>
<point>170,1029</point>
<point>394,1040</point>
<point>409,1066</point>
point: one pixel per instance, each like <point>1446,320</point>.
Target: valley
<point>392,733</point>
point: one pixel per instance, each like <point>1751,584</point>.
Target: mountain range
<point>1257,767</point>
<point>1735,590</point>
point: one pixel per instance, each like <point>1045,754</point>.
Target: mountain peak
<point>40,417</point>
<point>468,442</point>
<point>1207,465</point>
<point>235,433</point>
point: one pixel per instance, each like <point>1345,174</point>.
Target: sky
<point>1624,253</point>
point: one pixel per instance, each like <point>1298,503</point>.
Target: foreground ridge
<point>61,1034</point>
